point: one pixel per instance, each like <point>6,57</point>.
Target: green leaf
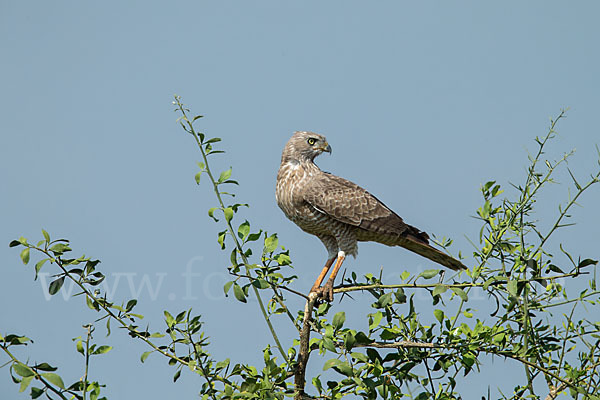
<point>39,265</point>
<point>211,213</point>
<point>176,376</point>
<point>25,383</point>
<point>362,338</point>
<point>330,363</point>
<point>340,366</point>
<point>222,364</point>
<point>130,304</point>
<point>180,317</point>
<point>25,255</point>
<point>93,305</point>
<point>221,239</point>
<point>244,230</point>
<point>261,284</point>
<point>468,360</point>
<point>228,214</point>
<point>376,320</point>
<point>60,248</point>
<point>423,396</point>
<point>385,300</point>
<point>169,318</point>
<point>238,292</point>
<point>197,177</point>
<point>349,341</point>
<point>400,296</point>
<point>586,262</point>
<point>323,308</point>
<point>102,350</point>
<point>233,257</point>
<point>254,236</point>
<point>14,243</point>
<point>22,370</point>
<point>36,392</point>
<point>439,315</point>
<point>328,344</point>
<point>56,285</point>
<point>360,357</point>
<point>532,264</point>
<point>439,289</point>
<point>429,273</point>
<point>496,191</point>
<point>554,268</point>
<point>271,243</point>
<point>145,355</point>
<point>283,259</point>
<point>227,286</point>
<point>79,347</point>
<point>16,340</point>
<point>338,319</point>
<point>45,367</point>
<point>46,235</point>
<point>224,175</point>
<point>55,379</point>
<point>345,369</point>
<point>460,293</point>
<point>499,337</point>
<point>512,288</point>
<point>405,275</point>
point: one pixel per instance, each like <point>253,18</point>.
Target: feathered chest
<point>293,181</point>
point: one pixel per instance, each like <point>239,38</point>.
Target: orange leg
<point>322,275</point>
<point>328,288</point>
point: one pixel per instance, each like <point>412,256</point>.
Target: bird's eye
<point>312,141</point>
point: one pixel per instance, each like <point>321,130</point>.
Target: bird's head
<point>305,146</point>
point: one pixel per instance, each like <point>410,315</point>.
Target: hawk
<point>339,212</point>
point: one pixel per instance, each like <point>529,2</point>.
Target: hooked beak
<point>327,148</point>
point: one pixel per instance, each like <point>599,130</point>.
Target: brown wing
<point>349,203</point>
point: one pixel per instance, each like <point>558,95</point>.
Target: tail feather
<point>432,253</point>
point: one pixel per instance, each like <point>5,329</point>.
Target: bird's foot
<point>325,293</point>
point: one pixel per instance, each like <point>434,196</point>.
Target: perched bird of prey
<point>339,212</point>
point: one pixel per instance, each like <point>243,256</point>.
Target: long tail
<point>431,253</point>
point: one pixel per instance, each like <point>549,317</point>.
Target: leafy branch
<point>402,350</point>
<point>205,147</point>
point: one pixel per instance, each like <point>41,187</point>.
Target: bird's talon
<point>324,293</point>
<point>327,293</point>
<point>318,291</point>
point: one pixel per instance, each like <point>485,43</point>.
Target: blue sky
<point>421,101</point>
